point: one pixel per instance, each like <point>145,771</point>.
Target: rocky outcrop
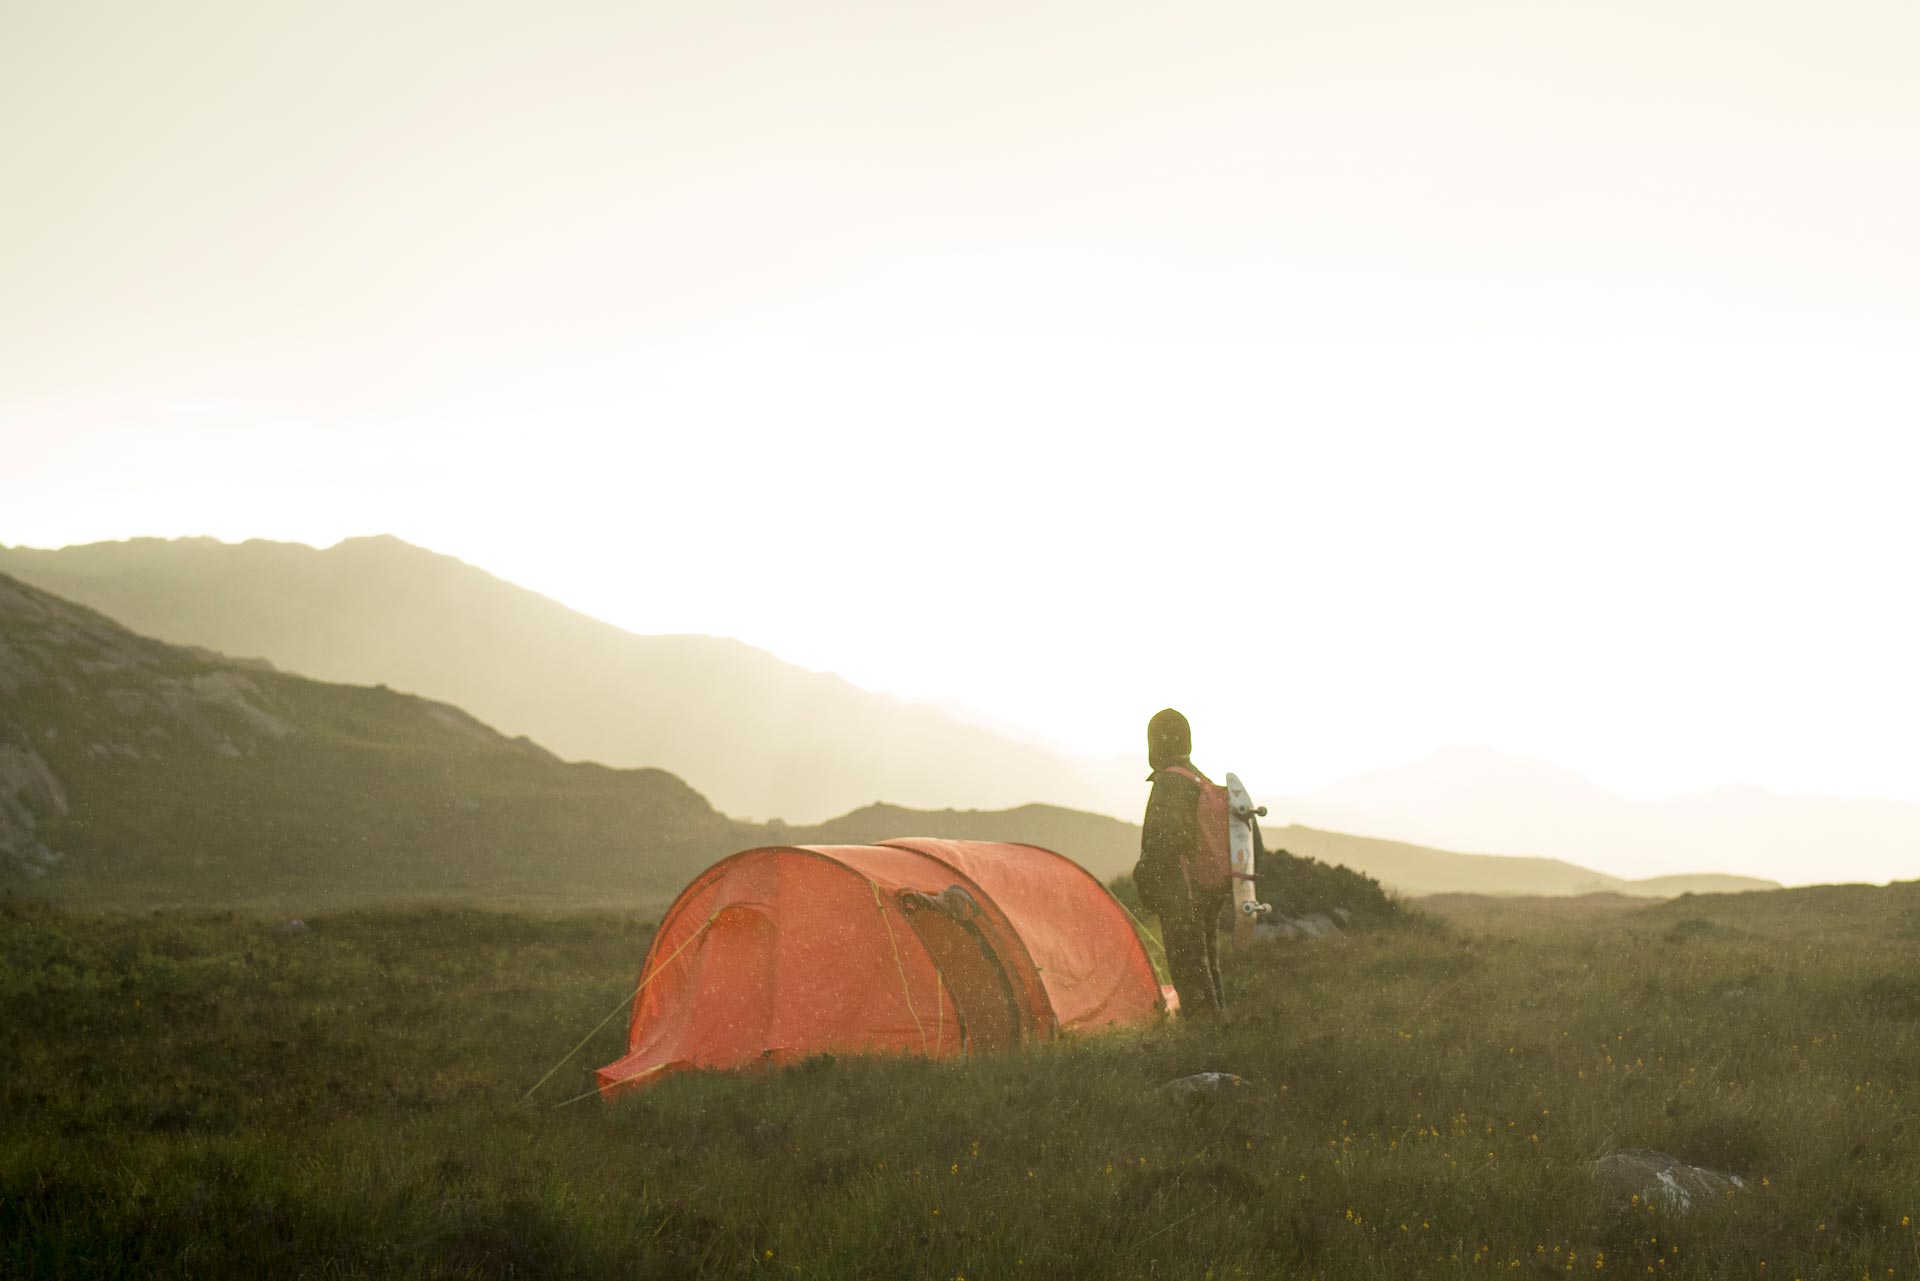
<point>1662,1180</point>
<point>15,674</point>
<point>1312,925</point>
<point>28,790</point>
<point>75,684</point>
<point>1201,1083</point>
<point>123,695</point>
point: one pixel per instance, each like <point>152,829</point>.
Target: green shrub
<point>1301,886</point>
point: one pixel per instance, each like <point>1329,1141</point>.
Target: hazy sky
<point>1359,377</point>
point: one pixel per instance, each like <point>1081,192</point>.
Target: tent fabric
<point>1090,960</point>
<point>915,946</point>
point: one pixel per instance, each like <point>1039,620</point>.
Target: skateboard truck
<point>1252,910</point>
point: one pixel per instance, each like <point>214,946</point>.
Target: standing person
<point>1170,848</point>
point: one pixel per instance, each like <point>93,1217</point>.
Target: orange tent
<point>926,947</point>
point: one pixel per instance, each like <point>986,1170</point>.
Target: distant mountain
<point>1416,870</point>
<point>758,736</point>
<point>1477,799</point>
<point>136,773</point>
<point>766,739</point>
<point>1108,847</point>
<point>1105,846</point>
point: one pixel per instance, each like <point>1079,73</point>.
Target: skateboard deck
<point>1241,813</point>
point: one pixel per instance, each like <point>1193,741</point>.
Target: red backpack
<point>1211,869</point>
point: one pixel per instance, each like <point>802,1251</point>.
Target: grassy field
<point>190,1096</point>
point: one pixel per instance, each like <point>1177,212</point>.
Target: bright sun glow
<point>1551,390</point>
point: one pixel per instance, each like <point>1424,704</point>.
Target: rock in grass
<point>287,929</point>
<point>1202,1083</point>
<point>1314,925</point>
<point>1663,1180</point>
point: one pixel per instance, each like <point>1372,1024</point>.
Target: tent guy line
<point>626,1003</point>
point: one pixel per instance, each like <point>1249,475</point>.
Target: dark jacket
<point>1169,834</point>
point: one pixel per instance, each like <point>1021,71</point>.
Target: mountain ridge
<point>137,773</point>
<point>141,773</point>
<point>766,739</point>
<point>759,736</point>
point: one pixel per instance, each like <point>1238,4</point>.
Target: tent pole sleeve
<point>894,947</point>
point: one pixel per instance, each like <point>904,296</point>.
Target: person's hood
<point>1169,739</point>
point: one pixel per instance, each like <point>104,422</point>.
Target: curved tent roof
<point>914,946</point>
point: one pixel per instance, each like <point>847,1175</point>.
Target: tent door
<point>983,999</point>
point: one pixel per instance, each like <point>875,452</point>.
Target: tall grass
<point>192,1097</point>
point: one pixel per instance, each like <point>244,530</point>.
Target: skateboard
<point>1241,812</point>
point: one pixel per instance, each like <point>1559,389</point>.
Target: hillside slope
<point>758,736</point>
<point>138,773</point>
<point>1810,913</point>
